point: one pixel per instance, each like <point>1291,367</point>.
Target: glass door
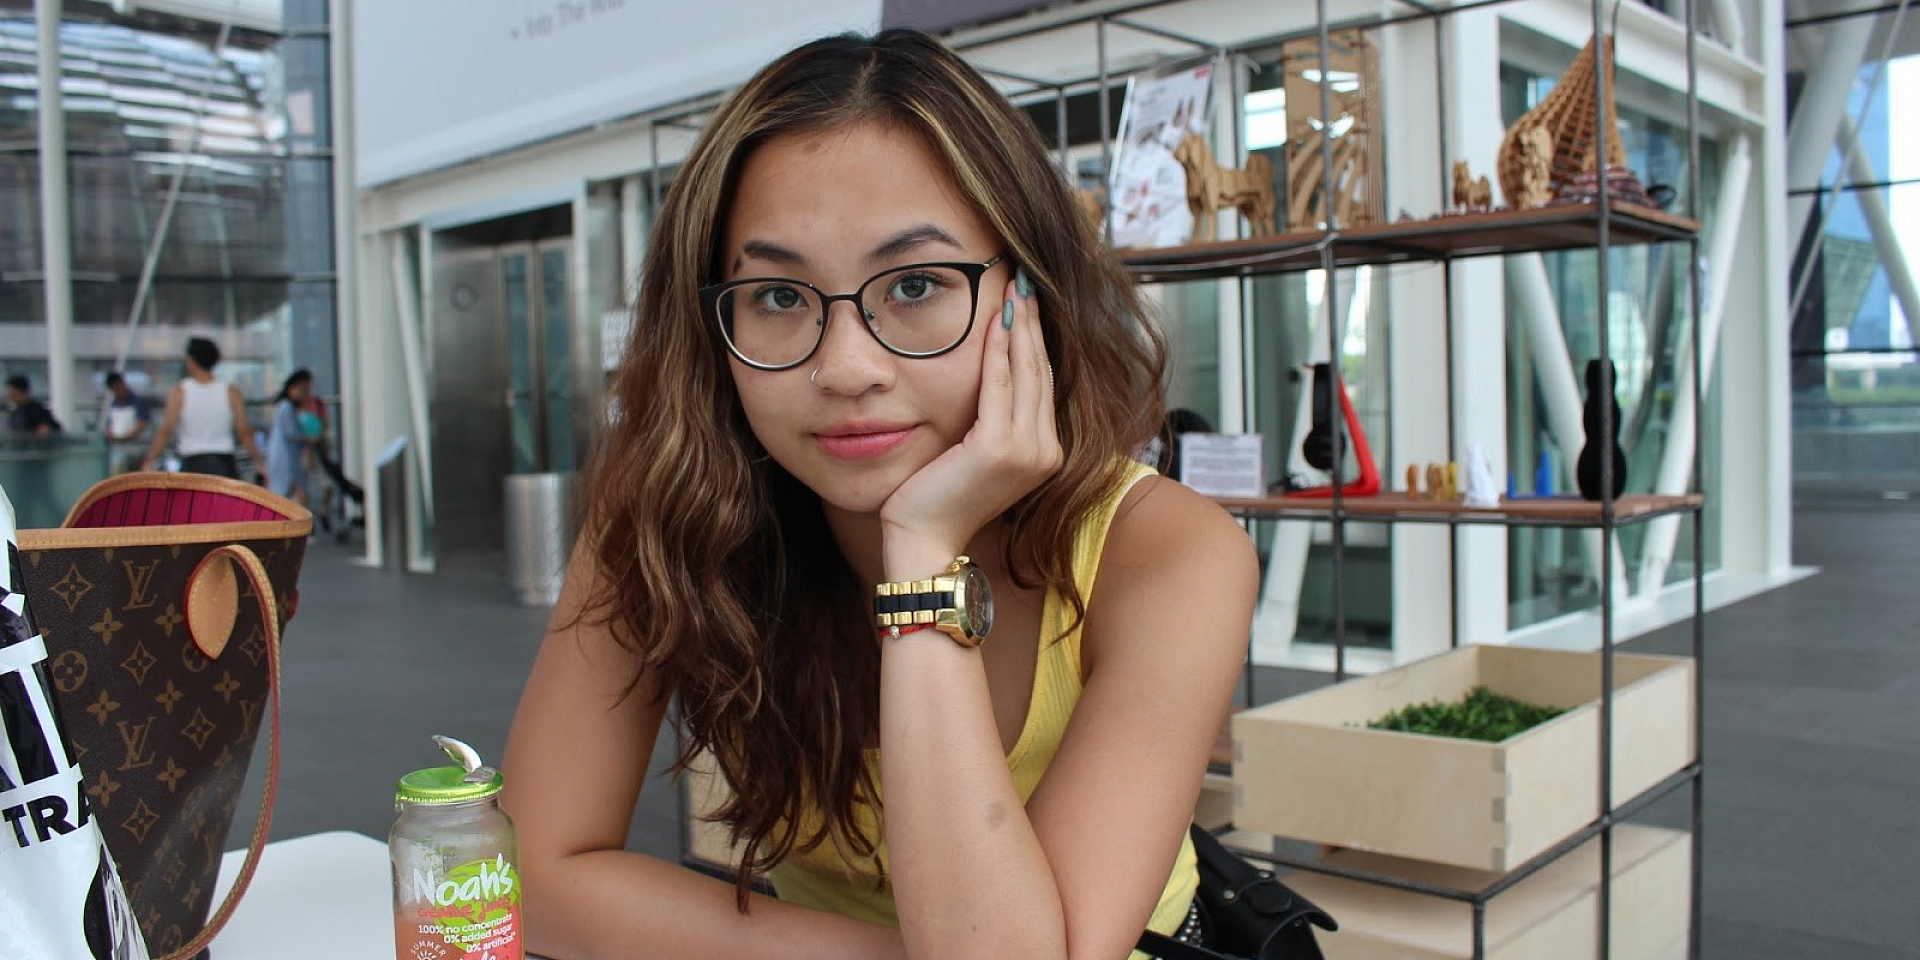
<point>556,322</point>
<point>519,310</point>
<point>539,328</point>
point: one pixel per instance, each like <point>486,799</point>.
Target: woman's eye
<point>914,286</point>
<point>778,299</point>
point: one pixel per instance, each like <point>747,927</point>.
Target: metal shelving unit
<point>1599,226</point>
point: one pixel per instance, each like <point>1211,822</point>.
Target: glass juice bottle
<point>456,880</point>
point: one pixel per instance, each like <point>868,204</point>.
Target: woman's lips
<point>863,445</point>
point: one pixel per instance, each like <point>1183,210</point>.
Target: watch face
<point>979,600</point>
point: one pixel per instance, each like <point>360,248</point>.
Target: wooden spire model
<point>1569,116</point>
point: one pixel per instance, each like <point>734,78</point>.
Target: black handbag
<point>1246,913</point>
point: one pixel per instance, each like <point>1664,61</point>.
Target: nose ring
<point>814,378</point>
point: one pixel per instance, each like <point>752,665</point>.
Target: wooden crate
<point>707,842</point>
<point>1214,811</point>
<point>1308,768</point>
<point>1552,915</point>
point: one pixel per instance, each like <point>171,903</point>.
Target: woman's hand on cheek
<point>1012,448</point>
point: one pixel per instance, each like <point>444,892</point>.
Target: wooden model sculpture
<point>1470,194</point>
<point>1568,115</point>
<point>1353,92</point>
<point>1212,187</point>
<point>1092,205</point>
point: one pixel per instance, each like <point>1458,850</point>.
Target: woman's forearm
<point>969,876</point>
<point>619,904</point>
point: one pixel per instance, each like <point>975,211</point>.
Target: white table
<point>318,897</point>
<point>324,896</point>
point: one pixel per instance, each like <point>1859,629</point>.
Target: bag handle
<point>1239,879</point>
<point>1167,948</point>
<point>256,574</point>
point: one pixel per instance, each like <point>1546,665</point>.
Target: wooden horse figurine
<point>1470,194</point>
<point>1211,187</point>
<point>1093,205</point>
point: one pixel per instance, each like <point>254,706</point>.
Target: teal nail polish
<point>1006,316</point>
<point>1022,284</point>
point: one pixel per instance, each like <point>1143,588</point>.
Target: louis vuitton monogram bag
<point>161,600</point>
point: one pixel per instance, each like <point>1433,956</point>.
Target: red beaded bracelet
<point>895,633</point>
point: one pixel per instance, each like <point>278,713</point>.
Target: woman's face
<point>833,208</point>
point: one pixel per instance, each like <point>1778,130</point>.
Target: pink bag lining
<point>159,506</point>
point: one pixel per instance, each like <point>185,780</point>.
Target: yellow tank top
<point>822,880</point>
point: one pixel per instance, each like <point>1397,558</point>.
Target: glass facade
<point>203,169</point>
<point>1855,371</point>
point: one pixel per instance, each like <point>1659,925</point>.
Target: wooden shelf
<point>1401,508</point>
<point>1560,227</point>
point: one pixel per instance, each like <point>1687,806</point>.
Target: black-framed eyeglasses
<point>919,310</point>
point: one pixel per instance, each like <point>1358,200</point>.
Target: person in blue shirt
<point>288,440</point>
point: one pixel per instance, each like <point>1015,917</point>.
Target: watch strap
<point>915,601</point>
<point>912,602</point>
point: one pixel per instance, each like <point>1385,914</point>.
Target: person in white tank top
<point>204,419</point>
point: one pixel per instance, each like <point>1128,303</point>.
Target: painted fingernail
<point>1022,284</point>
<point>1006,316</point>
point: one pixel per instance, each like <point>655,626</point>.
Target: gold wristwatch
<point>958,602</point>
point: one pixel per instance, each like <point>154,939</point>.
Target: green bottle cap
<point>445,785</point>
<point>471,780</point>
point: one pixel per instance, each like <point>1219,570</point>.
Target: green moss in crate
<point>1482,715</point>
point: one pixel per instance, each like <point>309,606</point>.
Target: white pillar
<point>407,315</point>
<point>1676,459</point>
<point>635,214</point>
<point>356,444</point>
<point>56,222</point>
<point>1417,412</point>
<point>1728,25</point>
<point>1479,309</point>
<point>1771,456</point>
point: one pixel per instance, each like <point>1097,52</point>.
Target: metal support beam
<point>158,241</point>
<point>1816,116</point>
<point>56,218</point>
<point>1886,240</point>
<point>1802,148</point>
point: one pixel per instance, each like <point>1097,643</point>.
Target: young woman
<point>875,337</point>
<point>287,440</point>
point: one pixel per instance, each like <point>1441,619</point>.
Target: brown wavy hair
<point>717,567</point>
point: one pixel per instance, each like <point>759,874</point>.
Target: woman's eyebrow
<point>763,250</point>
<point>910,238</point>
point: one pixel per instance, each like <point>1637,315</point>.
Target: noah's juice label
<point>471,912</point>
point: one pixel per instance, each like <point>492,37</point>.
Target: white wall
<point>439,82</point>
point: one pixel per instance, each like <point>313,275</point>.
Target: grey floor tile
<point>1723,938</point>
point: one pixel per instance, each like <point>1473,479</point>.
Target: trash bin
<point>539,535</point>
<point>390,471</point>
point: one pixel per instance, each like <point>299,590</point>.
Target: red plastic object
<point>1368,482</point>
